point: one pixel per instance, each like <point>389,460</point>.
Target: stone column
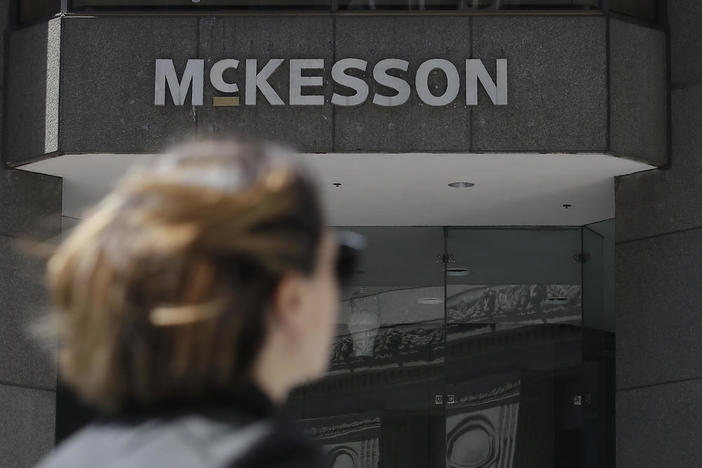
<point>30,209</point>
<point>659,277</point>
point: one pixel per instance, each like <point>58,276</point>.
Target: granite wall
<point>30,209</point>
<point>659,271</point>
<point>576,83</point>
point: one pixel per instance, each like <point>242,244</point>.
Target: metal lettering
<point>217,76</point>
<point>259,80</point>
<point>401,86</point>
<point>452,82</point>
<point>348,81</point>
<point>297,82</point>
<point>497,91</point>
<point>193,75</point>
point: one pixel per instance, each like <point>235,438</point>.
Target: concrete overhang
<point>587,99</point>
<point>412,189</point>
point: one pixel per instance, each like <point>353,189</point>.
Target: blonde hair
<point>161,291</point>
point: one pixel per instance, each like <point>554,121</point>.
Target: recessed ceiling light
<point>458,271</point>
<point>430,300</point>
<point>461,184</point>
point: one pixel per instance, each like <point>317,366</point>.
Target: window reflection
<point>377,405</point>
<point>468,4</point>
<point>643,9</point>
<point>229,4</point>
<point>358,5</point>
<point>481,428</point>
<point>482,361</point>
<point>513,305</point>
<point>646,10</point>
<point>350,441</point>
<point>391,327</point>
<point>32,10</point>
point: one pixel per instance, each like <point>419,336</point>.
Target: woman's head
<point>209,266</point>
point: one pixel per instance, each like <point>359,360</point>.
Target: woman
<point>190,302</point>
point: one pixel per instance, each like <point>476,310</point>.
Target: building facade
<point>489,315</point>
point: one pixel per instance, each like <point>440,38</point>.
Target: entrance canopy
<point>413,189</point>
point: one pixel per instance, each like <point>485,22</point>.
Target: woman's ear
<point>288,300</point>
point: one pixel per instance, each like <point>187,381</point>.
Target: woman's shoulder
<point>189,440</point>
<point>281,445</point>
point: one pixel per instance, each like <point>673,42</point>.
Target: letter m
<point>193,75</point>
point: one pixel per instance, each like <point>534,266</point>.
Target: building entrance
<point>472,347</point>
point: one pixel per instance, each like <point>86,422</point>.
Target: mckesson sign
<point>385,73</point>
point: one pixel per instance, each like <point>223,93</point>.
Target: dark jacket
<point>240,430</point>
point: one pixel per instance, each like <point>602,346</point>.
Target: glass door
<point>381,403</point>
<point>513,348</point>
<point>466,348</point>
<point>472,348</point>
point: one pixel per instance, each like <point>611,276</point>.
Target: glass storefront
<point>472,347</point>
<point>331,5</point>
<point>647,10</point>
<point>30,10</point>
<point>465,348</point>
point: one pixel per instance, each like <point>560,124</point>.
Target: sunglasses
<point>351,245</point>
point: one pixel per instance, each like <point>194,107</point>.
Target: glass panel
<point>514,348</point>
<point>532,4</point>
<point>30,10</point>
<point>646,10</point>
<point>598,343</point>
<point>598,276</point>
<point>502,357</point>
<point>398,4</point>
<point>467,4</point>
<point>230,4</point>
<point>345,4</point>
<point>380,404</point>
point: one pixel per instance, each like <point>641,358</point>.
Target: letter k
<point>256,81</point>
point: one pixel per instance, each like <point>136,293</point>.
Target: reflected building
<point>493,368</point>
